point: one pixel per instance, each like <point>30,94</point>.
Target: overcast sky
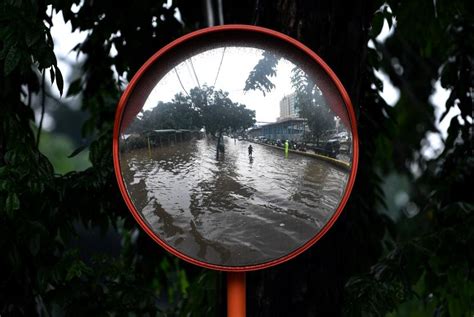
<point>65,40</point>
<point>236,66</point>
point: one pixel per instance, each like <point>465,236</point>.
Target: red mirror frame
<point>221,31</point>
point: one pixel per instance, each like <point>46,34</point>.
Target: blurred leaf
<point>59,80</point>
<point>377,24</point>
<point>74,88</point>
<point>78,150</point>
<point>35,244</point>
<point>12,203</point>
<point>32,37</point>
<point>52,75</point>
<point>11,61</point>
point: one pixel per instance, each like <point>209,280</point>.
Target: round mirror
<point>235,147</point>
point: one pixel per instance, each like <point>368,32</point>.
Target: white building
<point>287,107</point>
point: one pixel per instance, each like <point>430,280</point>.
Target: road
<point>233,211</point>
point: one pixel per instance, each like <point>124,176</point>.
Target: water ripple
<point>233,211</point>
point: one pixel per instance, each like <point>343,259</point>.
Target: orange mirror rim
<point>202,34</point>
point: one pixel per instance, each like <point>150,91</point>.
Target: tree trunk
<point>313,283</point>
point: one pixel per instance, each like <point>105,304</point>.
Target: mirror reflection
<point>236,158</point>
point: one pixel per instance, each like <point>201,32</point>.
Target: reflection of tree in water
<point>314,179</point>
<point>168,227</point>
<point>172,157</point>
<point>135,175</point>
<point>217,193</point>
<point>204,243</point>
<point>134,178</point>
<point>205,208</point>
<point>170,231</point>
<point>208,196</point>
<point>323,185</point>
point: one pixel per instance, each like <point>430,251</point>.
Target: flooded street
<point>235,211</point>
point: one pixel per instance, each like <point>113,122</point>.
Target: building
<point>292,129</point>
<point>288,107</point>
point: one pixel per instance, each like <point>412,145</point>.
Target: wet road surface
<point>234,211</point>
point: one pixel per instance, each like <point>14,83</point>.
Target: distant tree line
<point>204,107</point>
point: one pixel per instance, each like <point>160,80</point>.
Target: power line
<point>194,71</point>
<point>180,82</point>
<point>220,12</point>
<point>190,73</point>
<point>219,69</point>
<point>209,12</point>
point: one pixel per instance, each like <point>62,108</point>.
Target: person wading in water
<point>250,150</point>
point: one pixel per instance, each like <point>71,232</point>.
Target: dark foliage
<point>259,76</point>
<point>367,265</point>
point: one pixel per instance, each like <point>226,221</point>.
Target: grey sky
<point>65,40</point>
<point>236,66</point>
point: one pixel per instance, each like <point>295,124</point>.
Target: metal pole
<point>236,301</point>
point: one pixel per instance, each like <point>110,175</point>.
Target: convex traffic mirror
<point>235,147</point>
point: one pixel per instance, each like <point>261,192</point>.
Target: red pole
<point>236,294</point>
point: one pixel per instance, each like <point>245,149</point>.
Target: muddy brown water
<point>235,211</point>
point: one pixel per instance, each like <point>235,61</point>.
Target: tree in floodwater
<point>219,114</point>
<point>177,114</point>
<point>311,105</point>
<point>309,99</point>
<point>203,107</point>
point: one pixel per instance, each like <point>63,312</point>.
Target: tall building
<point>287,107</point>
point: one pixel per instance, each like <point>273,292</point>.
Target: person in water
<point>250,150</point>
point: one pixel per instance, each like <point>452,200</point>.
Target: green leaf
<point>11,61</point>
<point>35,244</point>
<point>51,74</point>
<point>3,170</point>
<point>74,88</point>
<point>165,264</point>
<point>5,184</point>
<point>183,281</point>
<point>46,57</point>
<point>12,202</point>
<point>377,24</point>
<point>45,168</point>
<point>31,38</point>
<point>77,269</point>
<point>11,157</point>
<point>88,127</point>
<point>59,80</point>
<point>449,105</point>
<point>455,306</point>
<point>78,150</point>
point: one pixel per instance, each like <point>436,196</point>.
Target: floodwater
<point>235,211</point>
